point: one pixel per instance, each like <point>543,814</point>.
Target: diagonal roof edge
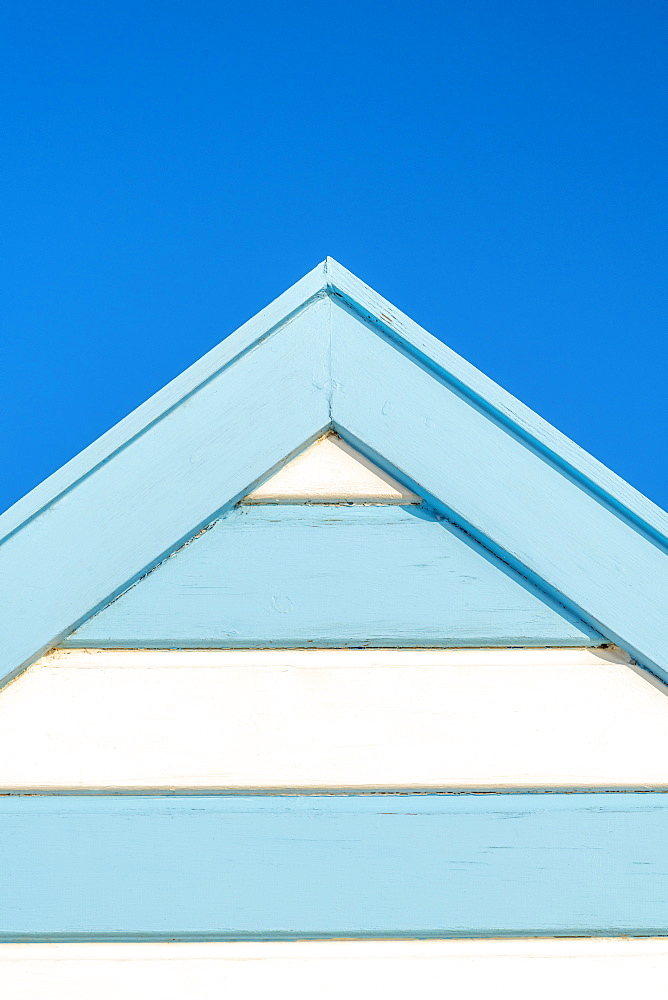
<point>225,353</point>
<point>497,402</point>
<point>141,502</point>
<point>330,277</point>
<point>179,443</point>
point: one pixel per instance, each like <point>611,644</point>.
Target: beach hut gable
<point>499,484</point>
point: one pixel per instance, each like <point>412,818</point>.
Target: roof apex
<point>323,369</point>
<point>331,278</point>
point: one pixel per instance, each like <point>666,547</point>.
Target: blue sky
<point>496,168</point>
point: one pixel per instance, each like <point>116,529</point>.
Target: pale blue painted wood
<point>331,278</point>
<point>305,291</point>
<point>281,866</point>
<point>410,337</point>
<point>332,576</point>
<point>113,513</point>
<point>507,494</point>
<point>152,494</point>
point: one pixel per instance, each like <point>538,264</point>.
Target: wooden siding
<point>500,488</point>
<point>378,865</point>
<point>332,576</point>
<point>166,483</point>
<point>332,355</point>
<point>333,719</point>
<point>551,969</point>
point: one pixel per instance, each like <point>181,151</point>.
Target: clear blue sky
<point>496,168</point>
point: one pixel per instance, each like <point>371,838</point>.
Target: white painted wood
<point>334,718</point>
<point>330,471</point>
<point>551,969</point>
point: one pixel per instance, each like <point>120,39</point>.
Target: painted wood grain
<point>501,490</point>
<point>322,719</point>
<point>329,278</point>
<point>80,867</point>
<point>299,296</point>
<point>330,471</point>
<point>431,352</point>
<point>616,968</point>
<point>154,493</point>
<point>131,499</point>
<point>332,576</point>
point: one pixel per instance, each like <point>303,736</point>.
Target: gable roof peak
<point>330,353</point>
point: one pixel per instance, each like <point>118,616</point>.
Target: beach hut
<point>333,656</point>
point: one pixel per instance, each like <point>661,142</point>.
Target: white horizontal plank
<point>549,968</point>
<point>331,471</point>
<point>475,718</point>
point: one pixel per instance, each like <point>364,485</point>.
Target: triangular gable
<point>331,354</point>
<point>330,471</point>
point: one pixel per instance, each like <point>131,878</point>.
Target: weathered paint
<point>305,292</point>
<point>332,576</point>
<point>231,867</point>
<point>345,718</point>
<point>391,323</point>
<point>166,483</point>
<point>499,488</point>
<point>331,354</point>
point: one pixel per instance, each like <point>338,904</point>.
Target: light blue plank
<point>332,576</point>
<point>84,867</point>
<point>153,493</point>
<point>504,492</point>
<point>533,497</point>
<point>414,340</point>
<point>305,291</point>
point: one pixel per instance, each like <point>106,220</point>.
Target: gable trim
<point>329,278</point>
<point>502,492</point>
<point>162,487</point>
<point>248,336</point>
<point>401,331</point>
<point>55,575</point>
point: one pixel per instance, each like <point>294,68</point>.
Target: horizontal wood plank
<point>332,576</point>
<point>81,867</point>
<point>501,489</point>
<point>407,401</point>
<point>507,718</point>
<point>616,968</point>
<point>159,489</point>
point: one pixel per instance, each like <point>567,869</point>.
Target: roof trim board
<point>520,419</point>
<point>505,494</point>
<point>161,488</point>
<point>274,316</point>
<point>332,279</point>
<point>278,383</point>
